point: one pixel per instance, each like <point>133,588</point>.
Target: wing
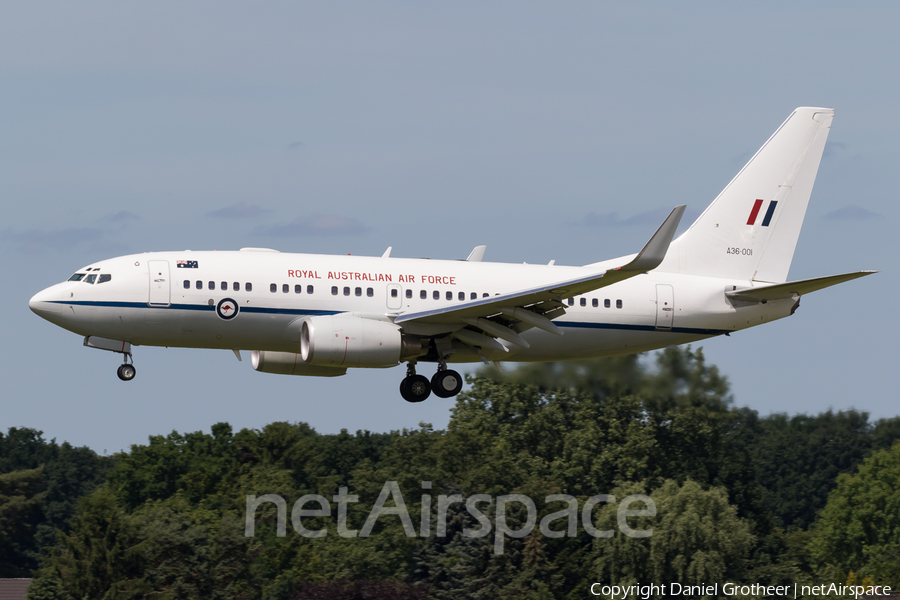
<point>535,307</point>
<point>780,291</point>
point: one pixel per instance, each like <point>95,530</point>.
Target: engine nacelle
<point>348,341</point>
<point>288,363</point>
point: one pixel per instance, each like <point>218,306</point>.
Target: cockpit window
<point>77,277</point>
<point>90,278</point>
<point>104,278</point>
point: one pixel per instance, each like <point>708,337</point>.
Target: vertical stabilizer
<point>750,230</point>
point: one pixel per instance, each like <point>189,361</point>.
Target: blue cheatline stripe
<point>299,312</point>
<point>622,326</point>
<point>199,307</point>
<point>769,212</point>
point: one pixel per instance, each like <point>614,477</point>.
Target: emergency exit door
<point>665,306</point>
<point>159,282</point>
<point>394,301</point>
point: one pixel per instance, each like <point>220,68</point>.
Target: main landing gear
<point>446,383</point>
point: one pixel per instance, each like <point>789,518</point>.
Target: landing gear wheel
<point>446,383</point>
<point>415,388</point>
<point>126,372</point>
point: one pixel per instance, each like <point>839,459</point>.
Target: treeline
<point>738,497</point>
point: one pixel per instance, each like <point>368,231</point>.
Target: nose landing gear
<point>126,372</point>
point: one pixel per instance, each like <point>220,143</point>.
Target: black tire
<point>126,372</point>
<point>403,389</point>
<point>415,388</point>
<point>446,384</point>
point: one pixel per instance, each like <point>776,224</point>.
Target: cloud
<point>834,149</point>
<point>317,225</point>
<point>851,213</point>
<point>36,240</point>
<point>296,145</point>
<point>650,217</point>
<point>241,210</point>
<point>123,216</point>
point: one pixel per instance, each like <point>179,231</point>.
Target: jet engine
<point>288,363</point>
<point>348,341</point>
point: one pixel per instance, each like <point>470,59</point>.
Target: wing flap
<point>793,288</point>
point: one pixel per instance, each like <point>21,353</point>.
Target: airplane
<point>318,315</point>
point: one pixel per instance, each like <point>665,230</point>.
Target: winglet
<point>477,254</point>
<point>387,253</point>
<point>654,252</point>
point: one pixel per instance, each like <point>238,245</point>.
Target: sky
<point>561,131</point>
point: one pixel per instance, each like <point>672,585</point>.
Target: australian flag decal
<point>187,264</point>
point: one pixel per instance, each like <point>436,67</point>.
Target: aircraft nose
<point>42,303</point>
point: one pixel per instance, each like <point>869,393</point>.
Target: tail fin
<point>750,230</point>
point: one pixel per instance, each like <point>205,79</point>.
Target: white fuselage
<point>176,299</point>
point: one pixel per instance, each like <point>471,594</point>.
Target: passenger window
<point>346,291</point>
<point>298,289</point>
<point>198,285</point>
<point>595,303</point>
<point>285,288</point>
<point>211,285</point>
<point>77,277</point>
<point>473,295</point>
<point>358,291</point>
<point>606,303</point>
<point>393,293</point>
<point>236,286</point>
<point>309,289</point>
<point>462,296</point>
<point>583,302</point>
<point>571,301</point>
<point>436,295</point>
<point>449,296</point>
<point>485,295</point>
<point>409,293</point>
<point>187,284</point>
<point>423,294</point>
<point>248,287</point>
<point>224,286</point>
<point>618,304</point>
<point>334,290</point>
<point>91,278</point>
<point>273,288</point>
<point>370,292</point>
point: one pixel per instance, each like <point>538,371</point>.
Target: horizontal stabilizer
<point>792,288</point>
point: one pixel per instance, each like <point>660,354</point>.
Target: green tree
<point>697,538</point>
<point>20,509</point>
<point>858,528</point>
<point>799,458</point>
